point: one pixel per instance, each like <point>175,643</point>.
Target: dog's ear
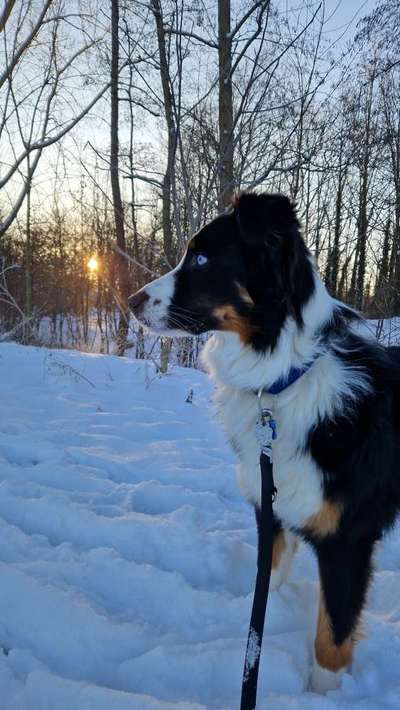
<point>269,223</point>
<point>263,218</point>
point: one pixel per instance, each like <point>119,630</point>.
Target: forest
<point>125,126</point>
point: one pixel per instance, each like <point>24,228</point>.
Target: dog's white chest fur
<point>319,393</point>
<point>296,476</point>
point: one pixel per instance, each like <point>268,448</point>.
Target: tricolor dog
<point>248,277</point>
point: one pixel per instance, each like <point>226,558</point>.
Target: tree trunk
<point>166,345</point>
<point>28,263</point>
<point>383,273</point>
<point>335,255</point>
<point>396,248</point>
<point>169,176</point>
<point>396,223</point>
<point>131,168</point>
<point>362,225</point>
<point>122,264</point>
<point>225,106</point>
<point>354,273</point>
<point>362,219</point>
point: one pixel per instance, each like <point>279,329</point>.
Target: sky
<point>341,20</point>
<point>344,12</point>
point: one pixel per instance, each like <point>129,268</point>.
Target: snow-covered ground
<point>127,556</point>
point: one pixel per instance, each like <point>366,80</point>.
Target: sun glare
<point>93,264</point>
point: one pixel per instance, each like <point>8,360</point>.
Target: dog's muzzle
<point>137,302</point>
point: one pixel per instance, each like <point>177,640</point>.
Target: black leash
<point>264,561</point>
<point>266,433</point>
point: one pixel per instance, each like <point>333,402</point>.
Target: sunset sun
<point>93,264</point>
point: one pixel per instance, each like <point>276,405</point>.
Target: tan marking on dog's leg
<point>327,653</point>
<point>278,549</point>
<point>326,521</point>
<point>285,546</point>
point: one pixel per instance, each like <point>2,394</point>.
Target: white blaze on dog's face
<point>151,303</point>
<point>244,272</point>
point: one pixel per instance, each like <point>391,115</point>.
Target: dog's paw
<point>322,680</point>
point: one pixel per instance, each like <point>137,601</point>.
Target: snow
<point>127,555</point>
<point>252,652</point>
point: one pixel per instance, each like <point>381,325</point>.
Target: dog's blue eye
<point>201,260</point>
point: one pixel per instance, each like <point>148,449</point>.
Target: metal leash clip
<point>265,428</point>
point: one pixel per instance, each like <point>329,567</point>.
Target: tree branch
<point>252,37</point>
<point>6,13</point>
<point>45,142</point>
<point>246,16</point>
<point>192,35</point>
<point>25,44</point>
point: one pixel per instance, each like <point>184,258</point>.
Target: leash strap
<point>264,562</point>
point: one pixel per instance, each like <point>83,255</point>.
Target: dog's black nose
<point>137,301</point>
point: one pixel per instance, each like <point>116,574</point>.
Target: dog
<point>248,277</point>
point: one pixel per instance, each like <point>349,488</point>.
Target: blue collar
<point>292,376</point>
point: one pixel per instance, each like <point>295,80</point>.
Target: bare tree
<point>34,108</point>
<point>225,104</point>
<point>123,269</point>
<point>168,184</point>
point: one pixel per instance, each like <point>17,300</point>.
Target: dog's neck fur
<point>240,367</point>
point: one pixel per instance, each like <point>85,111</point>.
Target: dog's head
<point>245,272</point>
